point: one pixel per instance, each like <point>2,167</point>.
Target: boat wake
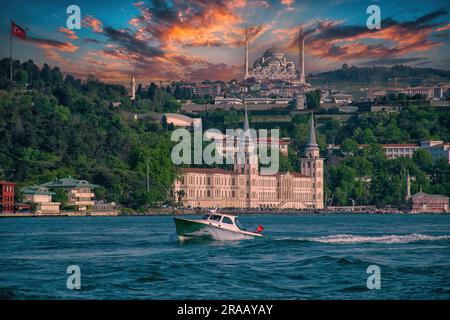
<point>351,239</point>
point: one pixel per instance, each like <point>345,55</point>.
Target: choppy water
<point>302,257</point>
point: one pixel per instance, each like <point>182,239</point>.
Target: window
<point>239,225</point>
<point>227,220</point>
<point>214,217</point>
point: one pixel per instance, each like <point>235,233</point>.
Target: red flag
<point>260,228</point>
<point>17,31</point>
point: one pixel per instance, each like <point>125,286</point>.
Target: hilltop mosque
<point>273,65</point>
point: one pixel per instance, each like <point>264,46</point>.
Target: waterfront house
<point>423,202</point>
<point>79,192</point>
<point>42,198</point>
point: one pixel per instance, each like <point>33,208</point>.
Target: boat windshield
<point>239,225</point>
<point>205,217</point>
<point>215,217</point>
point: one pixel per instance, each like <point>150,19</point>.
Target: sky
<point>193,40</point>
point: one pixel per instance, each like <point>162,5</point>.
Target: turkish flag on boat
<point>17,31</point>
<point>260,228</point>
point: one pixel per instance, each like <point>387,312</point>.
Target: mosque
<point>273,65</point>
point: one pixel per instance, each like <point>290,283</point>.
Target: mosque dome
<point>273,52</point>
<point>273,65</point>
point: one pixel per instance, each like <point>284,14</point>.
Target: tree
<point>423,159</point>
<point>349,146</point>
<point>313,99</point>
<point>22,78</point>
<point>61,197</point>
<point>46,75</point>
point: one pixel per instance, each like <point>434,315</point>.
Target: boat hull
<point>190,229</point>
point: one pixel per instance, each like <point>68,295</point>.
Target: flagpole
<point>10,53</point>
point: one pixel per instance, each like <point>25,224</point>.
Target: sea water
<point>310,256</point>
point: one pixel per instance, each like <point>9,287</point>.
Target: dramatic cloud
<point>127,40</point>
<point>53,44</point>
<point>336,41</point>
<point>53,48</point>
<point>194,23</point>
<point>93,23</point>
<point>204,39</point>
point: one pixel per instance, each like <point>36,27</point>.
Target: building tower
<point>312,166</point>
<point>133,88</point>
<point>246,161</point>
<point>301,54</point>
<point>246,52</point>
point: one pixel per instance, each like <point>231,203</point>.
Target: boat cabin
<point>225,219</point>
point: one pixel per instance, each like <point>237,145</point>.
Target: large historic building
<point>273,65</point>
<point>246,187</point>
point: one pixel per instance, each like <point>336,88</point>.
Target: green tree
<point>423,159</point>
<point>313,99</point>
<point>61,197</point>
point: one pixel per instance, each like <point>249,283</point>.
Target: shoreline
<point>195,212</point>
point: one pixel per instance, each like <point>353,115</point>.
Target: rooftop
<point>6,182</point>
<point>37,190</point>
<point>69,183</point>
<point>423,194</point>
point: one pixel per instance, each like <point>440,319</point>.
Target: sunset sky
<point>203,39</point>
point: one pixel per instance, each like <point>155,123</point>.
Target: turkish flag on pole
<point>17,31</point>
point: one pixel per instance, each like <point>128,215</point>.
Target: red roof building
<point>7,197</point>
<point>422,202</point>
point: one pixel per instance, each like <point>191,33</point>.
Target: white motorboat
<point>216,226</point>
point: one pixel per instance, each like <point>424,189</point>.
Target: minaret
<point>301,54</point>
<point>408,187</point>
<point>312,166</point>
<point>133,88</point>
<point>246,52</point>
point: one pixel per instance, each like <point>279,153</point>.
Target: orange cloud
<point>287,2</point>
<point>93,23</point>
<point>335,41</point>
<point>208,23</point>
<point>447,27</point>
<point>70,33</point>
